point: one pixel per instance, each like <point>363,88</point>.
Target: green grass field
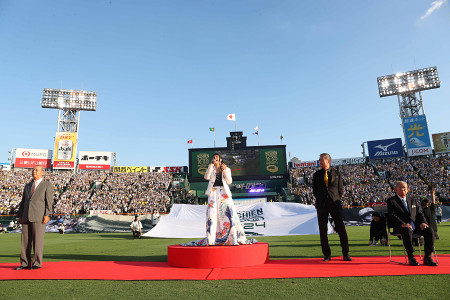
<point>121,247</point>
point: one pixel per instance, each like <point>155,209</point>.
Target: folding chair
<point>415,236</point>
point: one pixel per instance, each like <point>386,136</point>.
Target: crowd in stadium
<point>373,182</point>
<point>139,193</point>
<point>79,193</point>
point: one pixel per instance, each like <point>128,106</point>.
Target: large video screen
<point>265,162</point>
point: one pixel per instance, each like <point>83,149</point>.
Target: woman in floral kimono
<point>222,221</point>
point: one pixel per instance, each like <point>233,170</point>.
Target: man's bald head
<point>38,172</point>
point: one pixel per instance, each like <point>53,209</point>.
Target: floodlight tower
<point>69,103</point>
<point>408,86</point>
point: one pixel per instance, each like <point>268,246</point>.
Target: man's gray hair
<point>398,182</point>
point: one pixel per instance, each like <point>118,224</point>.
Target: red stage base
<point>208,257</point>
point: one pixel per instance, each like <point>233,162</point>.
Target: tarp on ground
<point>258,219</point>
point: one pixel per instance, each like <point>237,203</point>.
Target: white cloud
<point>434,6</point>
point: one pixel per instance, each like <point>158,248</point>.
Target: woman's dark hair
<point>220,159</point>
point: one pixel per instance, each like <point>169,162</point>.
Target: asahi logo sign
<point>385,148</point>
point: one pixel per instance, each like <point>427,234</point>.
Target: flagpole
<point>214,137</point>
<point>257,132</point>
<point>235,126</point>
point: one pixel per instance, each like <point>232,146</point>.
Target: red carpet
<point>292,268</point>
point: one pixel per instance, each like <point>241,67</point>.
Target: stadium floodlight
<point>69,99</point>
<point>408,87</point>
<point>408,82</point>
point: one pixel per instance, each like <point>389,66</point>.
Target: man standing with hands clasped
<point>328,189</point>
<point>34,211</point>
<point>407,218</point>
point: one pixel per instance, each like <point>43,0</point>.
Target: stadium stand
<point>372,182</point>
<point>133,193</point>
<point>140,193</point>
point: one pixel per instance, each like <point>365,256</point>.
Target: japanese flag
<point>231,117</point>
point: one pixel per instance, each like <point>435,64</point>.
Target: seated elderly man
<point>407,218</point>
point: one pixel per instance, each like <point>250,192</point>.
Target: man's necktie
<point>405,204</point>
<point>407,209</point>
<point>33,188</point>
<point>326,178</point>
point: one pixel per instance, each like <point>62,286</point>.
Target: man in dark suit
<point>407,218</point>
<point>34,211</point>
<point>328,189</point>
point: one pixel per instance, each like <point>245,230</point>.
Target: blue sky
<point>167,71</point>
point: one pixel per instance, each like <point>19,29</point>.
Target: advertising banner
<point>257,219</point>
<point>385,148</point>
<point>441,142</point>
<point>304,164</point>
<point>162,169</point>
<point>94,160</point>
<point>154,169</point>
<point>100,211</point>
<point>5,167</point>
<point>347,161</point>
<point>417,136</point>
<point>65,147</point>
<point>334,162</point>
<point>28,158</point>
<point>130,169</point>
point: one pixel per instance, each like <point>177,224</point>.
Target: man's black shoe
<point>347,258</point>
<point>21,268</point>
<point>413,261</point>
<point>35,267</point>
<point>428,261</point>
<point>327,258</point>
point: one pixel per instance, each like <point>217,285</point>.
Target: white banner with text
<point>258,219</point>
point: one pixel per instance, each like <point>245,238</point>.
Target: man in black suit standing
<point>407,217</point>
<point>34,213</point>
<point>328,189</point>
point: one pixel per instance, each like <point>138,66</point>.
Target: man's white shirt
<point>136,225</point>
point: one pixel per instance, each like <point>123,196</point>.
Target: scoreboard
<point>249,163</point>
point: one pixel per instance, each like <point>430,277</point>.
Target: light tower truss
<point>410,105</point>
<point>68,120</point>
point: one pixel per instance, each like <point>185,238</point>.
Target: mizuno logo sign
<point>385,147</point>
<point>382,153</point>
